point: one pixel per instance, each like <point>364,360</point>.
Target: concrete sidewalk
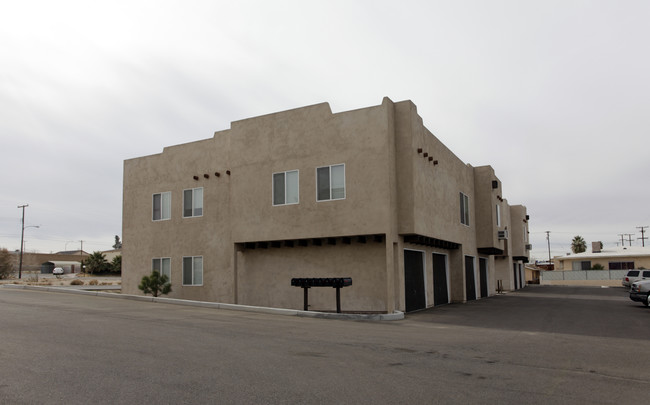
<point>216,305</point>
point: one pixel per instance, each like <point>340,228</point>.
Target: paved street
<point>542,345</point>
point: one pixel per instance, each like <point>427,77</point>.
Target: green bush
<point>155,284</point>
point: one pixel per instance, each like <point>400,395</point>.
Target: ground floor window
<point>621,265</point>
<point>193,270</point>
<point>162,265</point>
<point>581,265</point>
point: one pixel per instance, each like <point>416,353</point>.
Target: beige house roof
<point>629,251</point>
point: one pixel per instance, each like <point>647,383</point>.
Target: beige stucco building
<point>369,194</point>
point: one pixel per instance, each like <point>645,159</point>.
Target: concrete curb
<point>216,305</point>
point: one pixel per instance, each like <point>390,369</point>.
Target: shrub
<point>155,284</point>
<point>76,282</point>
<point>597,266</point>
<point>6,264</point>
<point>93,282</point>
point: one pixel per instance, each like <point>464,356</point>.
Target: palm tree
<point>96,262</point>
<point>578,244</point>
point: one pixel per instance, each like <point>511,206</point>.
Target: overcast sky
<point>555,95</point>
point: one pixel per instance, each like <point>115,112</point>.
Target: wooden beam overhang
<point>431,242</point>
<point>330,240</point>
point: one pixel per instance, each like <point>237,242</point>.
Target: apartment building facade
<point>369,194</point>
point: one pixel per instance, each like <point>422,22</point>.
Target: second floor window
<point>285,188</point>
<point>330,182</point>
<point>162,206</point>
<point>498,215</point>
<point>464,209</point>
<point>193,202</point>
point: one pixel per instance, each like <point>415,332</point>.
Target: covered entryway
<point>470,279</point>
<point>482,268</point>
<point>414,291</point>
<point>440,290</point>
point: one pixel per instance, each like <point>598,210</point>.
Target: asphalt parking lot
<point>537,346</point>
<point>589,311</point>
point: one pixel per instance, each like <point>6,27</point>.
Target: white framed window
<point>285,188</point>
<point>330,183</point>
<point>162,265</point>
<point>581,265</point>
<point>464,209</point>
<point>193,202</point>
<point>498,215</point>
<point>162,206</point>
<point>193,270</point>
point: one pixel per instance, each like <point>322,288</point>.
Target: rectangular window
<point>330,182</point>
<point>621,265</point>
<point>193,202</point>
<point>464,209</point>
<point>285,188</point>
<point>498,215</point>
<point>193,270</point>
<point>162,265</point>
<point>581,265</point>
<point>162,206</point>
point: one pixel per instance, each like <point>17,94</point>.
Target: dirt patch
<point>64,280</point>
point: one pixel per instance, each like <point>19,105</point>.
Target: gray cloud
<point>553,95</point>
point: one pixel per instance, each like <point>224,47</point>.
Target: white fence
<point>578,275</point>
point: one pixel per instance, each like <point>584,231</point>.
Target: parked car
<point>640,292</point>
<point>635,275</point>
<point>57,271</point>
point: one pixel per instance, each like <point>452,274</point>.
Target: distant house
<point>33,262</point>
<point>619,258</point>
<point>67,266</point>
<point>532,273</point>
<point>109,255</point>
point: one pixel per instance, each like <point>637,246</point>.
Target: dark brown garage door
<point>414,280</point>
<point>482,267</point>
<point>470,281</point>
<point>440,295</point>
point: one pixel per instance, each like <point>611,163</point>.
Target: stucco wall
<point>391,189</point>
<point>207,236</point>
<point>264,276</point>
<point>304,140</point>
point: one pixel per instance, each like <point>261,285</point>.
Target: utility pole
<point>81,255</point>
<point>622,240</point>
<point>643,237</point>
<point>629,238</point>
<point>22,238</point>
<point>548,240</point>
